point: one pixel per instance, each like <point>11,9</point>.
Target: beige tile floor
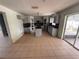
<point>44,47</point>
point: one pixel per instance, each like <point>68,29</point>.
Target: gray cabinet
<point>52,31</point>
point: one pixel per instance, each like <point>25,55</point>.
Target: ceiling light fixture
<point>35,7</point>
<point>44,0</point>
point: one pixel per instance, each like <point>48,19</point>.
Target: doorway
<point>71,34</point>
<point>4,37</point>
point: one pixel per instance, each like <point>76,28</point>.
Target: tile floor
<point>44,47</point>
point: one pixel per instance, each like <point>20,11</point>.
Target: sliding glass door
<point>71,34</point>
<point>77,40</point>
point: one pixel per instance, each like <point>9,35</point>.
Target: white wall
<point>71,10</point>
<point>15,25</point>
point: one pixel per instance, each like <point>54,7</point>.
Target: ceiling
<point>45,7</point>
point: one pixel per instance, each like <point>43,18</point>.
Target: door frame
<point>65,23</point>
